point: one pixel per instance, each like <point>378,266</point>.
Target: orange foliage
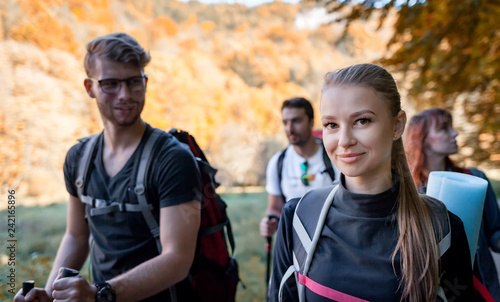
<point>232,84</point>
<point>207,26</point>
<point>189,44</point>
<point>281,34</point>
<point>34,7</point>
<point>192,20</point>
<point>164,26</point>
<point>45,32</point>
<point>241,28</point>
<point>93,12</point>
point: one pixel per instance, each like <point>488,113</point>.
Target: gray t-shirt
<point>122,240</point>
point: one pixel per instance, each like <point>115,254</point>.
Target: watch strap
<point>104,285</point>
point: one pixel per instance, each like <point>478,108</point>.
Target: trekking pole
<point>269,245</point>
<point>69,272</point>
<point>27,286</point>
<point>30,284</point>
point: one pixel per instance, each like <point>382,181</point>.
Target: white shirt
<point>291,183</point>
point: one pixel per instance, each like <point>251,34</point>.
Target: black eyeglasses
<point>137,85</point>
<point>304,178</point>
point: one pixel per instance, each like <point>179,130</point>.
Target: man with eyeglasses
<point>126,265</point>
<point>302,166</point>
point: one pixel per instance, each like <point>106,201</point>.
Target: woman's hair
<point>414,141</point>
<point>118,47</point>
<point>417,243</point>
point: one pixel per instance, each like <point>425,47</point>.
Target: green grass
<point>496,186</point>
<point>40,229</point>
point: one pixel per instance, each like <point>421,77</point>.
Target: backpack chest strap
<point>102,206</point>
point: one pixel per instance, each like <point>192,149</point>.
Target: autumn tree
<point>450,53</point>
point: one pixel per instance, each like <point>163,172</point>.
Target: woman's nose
<point>346,138</point>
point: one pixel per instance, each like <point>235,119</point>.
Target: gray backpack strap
<point>307,241</point>
<point>444,245</point>
<point>443,231</point>
<point>83,166</point>
<point>98,206</point>
<point>319,228</point>
<point>140,186</point>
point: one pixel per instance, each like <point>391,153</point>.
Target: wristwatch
<point>104,292</point>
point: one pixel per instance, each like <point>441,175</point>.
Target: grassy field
<point>40,229</point>
<point>496,186</point>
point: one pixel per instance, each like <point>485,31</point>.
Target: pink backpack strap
<point>326,292</point>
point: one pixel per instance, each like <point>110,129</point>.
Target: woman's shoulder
<point>314,199</point>
<point>440,215</point>
<point>477,172</point>
<point>435,204</point>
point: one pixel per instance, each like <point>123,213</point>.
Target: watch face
<point>105,295</point>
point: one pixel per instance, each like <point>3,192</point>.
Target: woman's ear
<point>400,124</point>
<point>88,87</point>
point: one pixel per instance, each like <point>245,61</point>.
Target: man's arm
<point>274,206</point>
<point>72,252</point>
<point>179,227</point>
<point>74,247</point>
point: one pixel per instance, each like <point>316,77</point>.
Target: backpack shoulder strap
<point>140,185</point>
<point>441,222</point>
<point>328,163</point>
<point>84,164</point>
<point>281,158</point>
<point>442,227</point>
<point>308,222</point>
<point>310,242</point>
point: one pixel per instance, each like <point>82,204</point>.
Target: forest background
<point>221,72</point>
<point>218,71</point>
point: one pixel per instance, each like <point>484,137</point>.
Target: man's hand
<point>35,294</point>
<point>73,288</point>
<point>268,226</point>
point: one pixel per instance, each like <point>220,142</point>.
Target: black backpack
<point>214,273</point>
<point>313,208</point>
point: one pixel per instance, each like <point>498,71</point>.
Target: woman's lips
<point>350,158</point>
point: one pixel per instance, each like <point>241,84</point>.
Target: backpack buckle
<point>139,190</point>
<point>79,182</point>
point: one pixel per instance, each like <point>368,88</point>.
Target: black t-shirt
<point>354,253</point>
<point>122,240</point>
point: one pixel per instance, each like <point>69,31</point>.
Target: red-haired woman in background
<point>429,140</point>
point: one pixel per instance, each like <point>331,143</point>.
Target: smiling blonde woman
<point>381,240</point>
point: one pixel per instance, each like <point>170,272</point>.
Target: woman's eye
<point>363,121</point>
<point>330,125</point>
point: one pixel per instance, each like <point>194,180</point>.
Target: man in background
<point>302,166</point>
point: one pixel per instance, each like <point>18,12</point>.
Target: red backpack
<point>214,274</point>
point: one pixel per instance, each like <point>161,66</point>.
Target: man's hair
<point>118,47</point>
<point>299,103</point>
